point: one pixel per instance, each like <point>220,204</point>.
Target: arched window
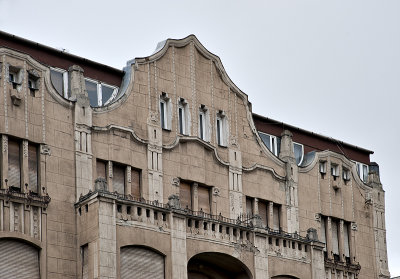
<point>18,260</point>
<point>141,263</point>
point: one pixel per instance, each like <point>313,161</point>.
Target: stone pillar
<point>178,247</point>
<point>292,204</point>
<point>154,158</point>
<point>341,241</point>
<point>105,254</point>
<point>329,238</point>
<point>317,255</point>
<point>378,208</point>
<point>235,183</point>
<point>260,257</point>
<point>82,130</point>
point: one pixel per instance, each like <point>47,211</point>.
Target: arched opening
<point>217,266</point>
<point>141,263</point>
<point>18,260</point>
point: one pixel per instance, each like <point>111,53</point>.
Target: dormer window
<point>298,152</point>
<point>271,142</point>
<point>100,94</point>
<point>204,123</point>
<point>221,129</point>
<point>33,83</point>
<point>334,171</point>
<point>183,117</point>
<point>165,111</point>
<point>59,79</point>
<point>362,170</point>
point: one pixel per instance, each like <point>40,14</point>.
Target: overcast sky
<point>332,67</point>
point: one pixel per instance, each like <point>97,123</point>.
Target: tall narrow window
<point>277,216</point>
<point>362,171</point>
<point>183,117</point>
<point>221,129</point>
<point>118,181</point>
<point>263,212</point>
<point>323,231</point>
<point>346,230</point>
<point>204,199</point>
<point>85,261</point>
<point>249,206</point>
<point>165,111</point>
<point>135,183</point>
<point>204,124</point>
<point>335,237</point>
<point>14,165</point>
<point>33,168</point>
<point>185,195</point>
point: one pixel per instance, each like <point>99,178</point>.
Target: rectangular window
<point>99,93</point>
<point>277,216</point>
<point>183,117</point>
<point>135,183</point>
<point>221,126</point>
<point>33,168</point>
<point>323,231</point>
<point>204,199</point>
<point>362,171</point>
<point>101,168</point>
<point>118,181</point>
<point>219,131</point>
<point>85,261</point>
<point>335,236</point>
<point>298,152</point>
<point>185,195</point>
<point>334,170</point>
<point>346,230</point>
<point>163,115</point>
<point>249,206</point>
<point>202,125</point>
<point>59,79</point>
<point>14,165</point>
<point>346,174</point>
<point>263,212</point>
<point>322,167</point>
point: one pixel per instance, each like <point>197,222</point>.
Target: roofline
<point>51,49</point>
<point>314,134</point>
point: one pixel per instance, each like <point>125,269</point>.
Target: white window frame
<point>346,174</point>
<point>166,116</point>
<point>65,80</point>
<point>302,152</point>
<point>204,124</point>
<point>183,118</point>
<point>362,170</point>
<point>273,143</point>
<point>221,129</point>
<point>322,167</point>
<point>100,85</point>
<point>334,170</point>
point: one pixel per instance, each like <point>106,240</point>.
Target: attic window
<point>100,94</point>
<point>346,174</point>
<point>59,79</point>
<point>334,171</point>
<point>362,170</point>
<point>271,142</point>
<point>33,83</point>
<point>298,152</point>
<point>322,168</point>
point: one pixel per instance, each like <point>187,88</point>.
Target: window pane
<point>57,81</point>
<point>335,239</point>
<point>266,140</point>
<point>219,131</point>
<point>204,199</point>
<point>277,223</point>
<point>91,88</point>
<point>298,152</point>
<point>185,195</point>
<point>323,231</point>
<point>118,181</point>
<point>249,207</point>
<point>181,131</point>
<point>162,114</point>
<point>14,165</point>
<point>106,92</point>
<point>346,240</point>
<point>262,211</point>
<point>201,126</point>
<point>33,168</point>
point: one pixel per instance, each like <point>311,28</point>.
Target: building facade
<point>161,170</point>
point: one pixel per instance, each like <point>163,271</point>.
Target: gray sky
<point>338,62</point>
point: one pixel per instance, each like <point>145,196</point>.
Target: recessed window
<point>346,174</point>
<point>273,143</point>
<point>322,167</point>
<point>183,117</point>
<point>362,170</point>
<point>14,76</point>
<point>165,111</point>
<point>334,170</point>
<point>204,124</point>
<point>100,94</point>
<point>59,79</point>
<point>118,181</point>
<point>14,165</point>
<point>221,129</point>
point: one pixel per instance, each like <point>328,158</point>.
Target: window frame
<point>64,79</point>
<point>204,121</point>
<point>183,119</point>
<point>273,143</point>
<point>165,112</point>
<point>221,133</point>
<point>99,91</point>
<point>362,171</point>
<point>302,152</point>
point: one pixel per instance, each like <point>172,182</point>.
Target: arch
<point>141,262</point>
<point>212,265</point>
<point>18,259</point>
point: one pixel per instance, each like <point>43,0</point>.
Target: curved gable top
<point>163,46</point>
